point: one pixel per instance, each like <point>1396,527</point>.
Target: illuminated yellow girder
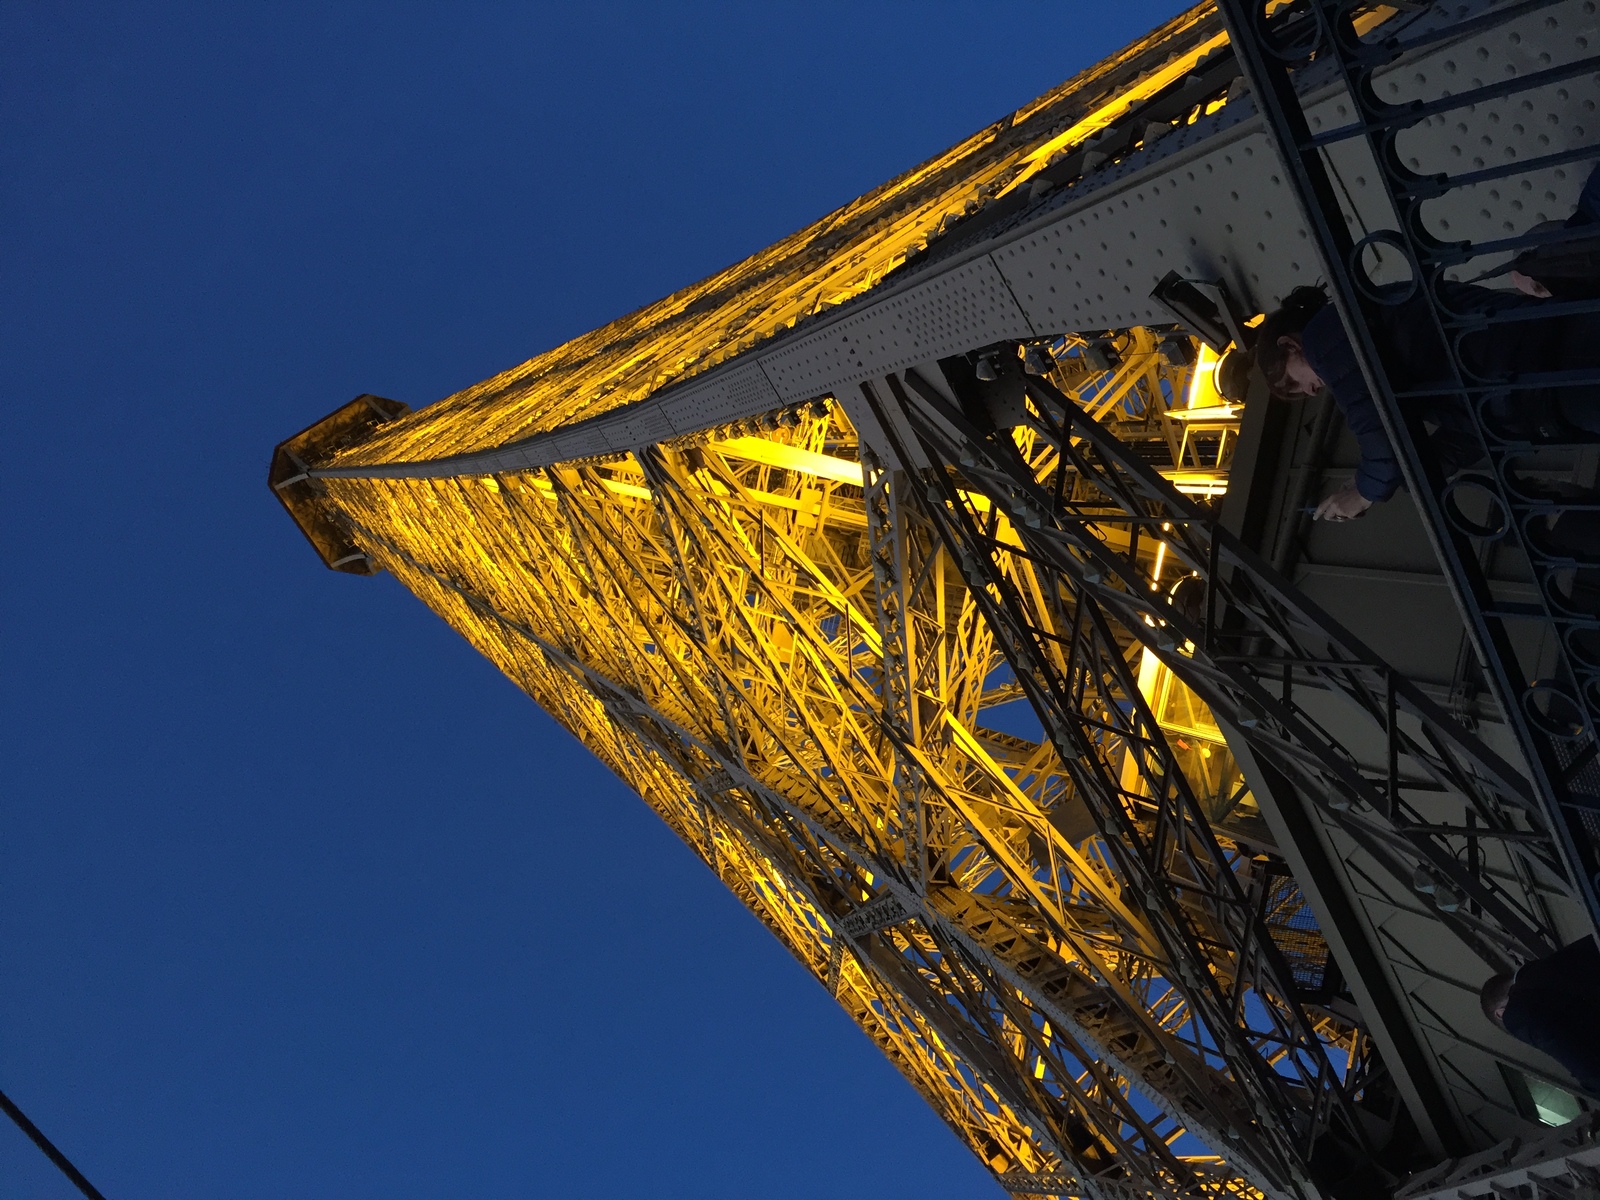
<point>822,265</point>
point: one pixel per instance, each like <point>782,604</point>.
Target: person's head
<point>1277,349</point>
<point>1493,996</point>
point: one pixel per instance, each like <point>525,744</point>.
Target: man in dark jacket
<point>1319,354</point>
<point>1302,346</point>
<point>1553,1004</point>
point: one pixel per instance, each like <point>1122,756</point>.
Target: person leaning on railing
<point>1302,347</point>
<point>1553,1004</point>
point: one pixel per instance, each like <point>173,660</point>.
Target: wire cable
<point>38,1138</point>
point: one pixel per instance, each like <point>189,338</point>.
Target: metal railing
<point>1510,506</point>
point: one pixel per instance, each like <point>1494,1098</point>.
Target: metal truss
<point>1261,656</point>
<point>1455,827</point>
<point>793,671</point>
<point>1216,945</point>
<point>1517,509</point>
<point>1564,1164</point>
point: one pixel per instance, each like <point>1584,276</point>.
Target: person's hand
<point>1529,286</point>
<point>1343,505</point>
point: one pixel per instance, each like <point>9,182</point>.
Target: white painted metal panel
<point>1208,200</point>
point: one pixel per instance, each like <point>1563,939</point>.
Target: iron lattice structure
<point>793,670</point>
<point>791,569</point>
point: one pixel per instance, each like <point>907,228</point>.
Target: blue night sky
<point>298,896</point>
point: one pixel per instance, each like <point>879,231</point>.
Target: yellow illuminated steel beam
<point>791,458</point>
<point>826,263</point>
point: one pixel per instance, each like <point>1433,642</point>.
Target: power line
<point>38,1138</point>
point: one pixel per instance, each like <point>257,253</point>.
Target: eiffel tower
<point>942,580</point>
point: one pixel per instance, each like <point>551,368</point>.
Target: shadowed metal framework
<point>1542,660</point>
<point>943,649</point>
